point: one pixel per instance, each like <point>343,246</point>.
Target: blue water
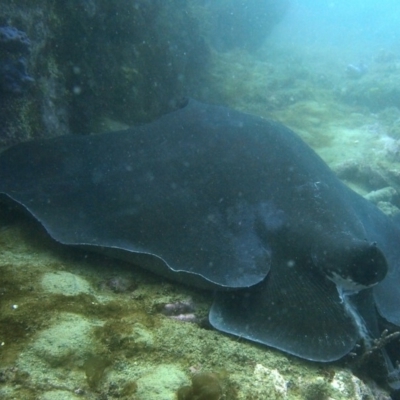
<point>362,26</point>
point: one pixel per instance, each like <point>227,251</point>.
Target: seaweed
<point>95,367</point>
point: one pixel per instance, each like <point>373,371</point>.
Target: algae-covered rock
<point>65,283</point>
<point>66,342</point>
<point>37,105</point>
<point>378,88</point>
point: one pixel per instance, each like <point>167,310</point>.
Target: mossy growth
<point>95,367</point>
<point>205,386</point>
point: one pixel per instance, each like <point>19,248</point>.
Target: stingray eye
<point>367,266</point>
<point>353,264</point>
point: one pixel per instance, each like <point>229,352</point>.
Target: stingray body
<point>220,199</point>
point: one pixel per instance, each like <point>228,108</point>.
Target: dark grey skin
<point>232,202</point>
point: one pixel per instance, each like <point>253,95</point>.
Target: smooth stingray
<point>216,198</point>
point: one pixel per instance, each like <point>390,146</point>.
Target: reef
<point>14,77</point>
<point>125,61</point>
<point>14,47</point>
<point>14,41</point>
<point>15,81</point>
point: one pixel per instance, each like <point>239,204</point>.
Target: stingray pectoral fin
<point>297,311</point>
<point>141,191</point>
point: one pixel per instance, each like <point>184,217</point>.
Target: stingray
<point>235,203</point>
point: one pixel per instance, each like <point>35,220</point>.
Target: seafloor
<point>70,331</point>
<point>75,325</point>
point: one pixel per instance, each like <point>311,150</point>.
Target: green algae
<point>95,367</point>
